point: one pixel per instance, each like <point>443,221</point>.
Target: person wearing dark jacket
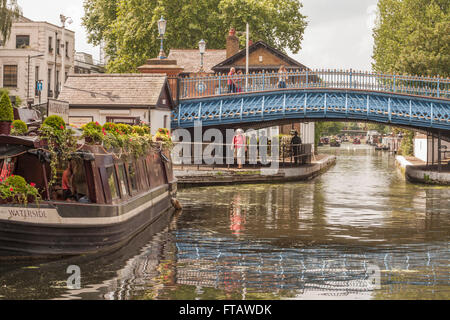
<point>295,143</point>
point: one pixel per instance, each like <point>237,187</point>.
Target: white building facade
<point>35,53</point>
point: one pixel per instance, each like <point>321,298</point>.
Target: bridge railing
<point>208,86</point>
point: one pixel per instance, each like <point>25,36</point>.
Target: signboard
<point>58,108</point>
<point>78,122</point>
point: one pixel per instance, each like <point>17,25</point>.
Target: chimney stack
<point>232,43</point>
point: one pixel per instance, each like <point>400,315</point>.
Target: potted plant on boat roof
<point>6,114</point>
<point>163,136</point>
<point>93,133</point>
<point>61,142</point>
<point>15,189</point>
<point>19,128</point>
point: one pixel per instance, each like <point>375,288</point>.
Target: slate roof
<point>190,59</point>
<point>291,64</point>
<point>113,89</point>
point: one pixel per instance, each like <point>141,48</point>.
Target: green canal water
<point>359,231</point>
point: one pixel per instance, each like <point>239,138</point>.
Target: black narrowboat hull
<point>55,229</point>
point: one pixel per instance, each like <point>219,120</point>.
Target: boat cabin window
<point>123,181</point>
<point>143,169</point>
<point>79,184</point>
<point>112,182</point>
<point>133,179</point>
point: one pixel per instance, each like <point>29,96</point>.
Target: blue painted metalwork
<point>314,104</point>
<point>394,99</point>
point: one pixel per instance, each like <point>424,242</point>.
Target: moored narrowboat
<point>112,198</point>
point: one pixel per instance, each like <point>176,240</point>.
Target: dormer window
<point>22,41</point>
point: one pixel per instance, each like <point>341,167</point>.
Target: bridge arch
<point>321,104</point>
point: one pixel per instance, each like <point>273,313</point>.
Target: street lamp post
<point>64,20</point>
<point>29,61</point>
<point>162,30</point>
<point>202,48</point>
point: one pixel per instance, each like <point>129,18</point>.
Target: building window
<point>22,41</point>
<point>49,83</point>
<point>50,44</point>
<point>166,121</point>
<point>58,44</point>
<point>10,76</point>
<point>126,120</point>
<point>66,48</point>
<point>57,84</point>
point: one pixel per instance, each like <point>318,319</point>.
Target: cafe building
<point>119,98</point>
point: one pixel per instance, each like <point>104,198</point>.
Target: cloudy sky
<point>339,34</point>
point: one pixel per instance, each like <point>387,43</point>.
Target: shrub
<point>6,109</point>
<point>138,130</point>
<point>17,190</point>
<point>146,129</point>
<point>124,128</point>
<point>94,131</point>
<point>19,128</point>
<point>110,127</point>
<point>55,122</point>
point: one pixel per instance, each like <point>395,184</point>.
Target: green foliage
<point>18,100</point>
<point>332,128</point>
<point>381,128</point>
<point>6,109</point>
<point>413,37</point>
<point>19,128</point>
<point>9,10</point>
<point>139,130</point>
<point>93,133</point>
<point>130,34</point>
<point>124,128</point>
<point>111,128</point>
<point>15,189</point>
<point>55,122</point>
<point>407,144</point>
<point>61,142</point>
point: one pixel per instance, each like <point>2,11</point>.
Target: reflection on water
<point>359,231</point>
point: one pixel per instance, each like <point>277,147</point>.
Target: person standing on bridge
<point>231,81</point>
<point>282,77</point>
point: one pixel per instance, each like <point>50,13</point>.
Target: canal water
<point>359,231</point>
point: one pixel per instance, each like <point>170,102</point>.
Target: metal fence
<point>255,155</point>
<point>207,86</point>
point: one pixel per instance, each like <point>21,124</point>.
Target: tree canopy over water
<point>129,30</point>
<point>413,37</point>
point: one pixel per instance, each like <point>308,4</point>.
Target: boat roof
<point>28,141</point>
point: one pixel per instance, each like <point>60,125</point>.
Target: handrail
<point>210,86</point>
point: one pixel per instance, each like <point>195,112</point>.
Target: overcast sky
<point>339,33</point>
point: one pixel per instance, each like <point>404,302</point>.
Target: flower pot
<point>5,127</point>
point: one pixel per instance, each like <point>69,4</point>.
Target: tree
<point>413,37</point>
<point>9,10</point>
<point>128,28</point>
